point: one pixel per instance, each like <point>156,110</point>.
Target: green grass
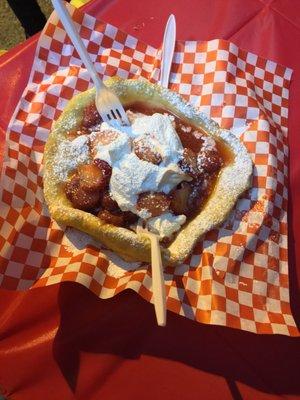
<point>11,31</point>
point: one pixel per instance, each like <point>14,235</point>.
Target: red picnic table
<point>113,348</point>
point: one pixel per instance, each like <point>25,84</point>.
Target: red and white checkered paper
<point>238,274</point>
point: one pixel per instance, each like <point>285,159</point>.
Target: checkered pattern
<point>237,275</point>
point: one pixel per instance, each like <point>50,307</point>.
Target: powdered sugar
<point>69,155</point>
<point>186,129</point>
<point>132,175</point>
<point>208,143</point>
<point>147,148</point>
<point>233,180</point>
<point>162,133</point>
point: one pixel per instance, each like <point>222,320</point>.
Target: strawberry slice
<point>144,152</point>
<point>192,140</point>
<point>116,218</point>
<point>188,197</point>
<point>91,177</point>
<point>154,203</point>
<point>81,199</point>
<point>209,161</point>
<point>180,198</point>
<point>105,168</point>
<point>196,197</point>
<point>91,116</point>
<point>188,163</point>
<point>108,203</point>
<point>129,218</point>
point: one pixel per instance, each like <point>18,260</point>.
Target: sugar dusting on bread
<point>126,243</point>
<point>69,155</point>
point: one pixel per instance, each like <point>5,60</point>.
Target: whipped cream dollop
<point>166,224</point>
<point>131,175</point>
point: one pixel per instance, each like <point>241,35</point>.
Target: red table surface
<point>61,342</point>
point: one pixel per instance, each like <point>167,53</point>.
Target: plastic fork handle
<point>158,282</point>
<point>168,51</point>
<point>71,30</point>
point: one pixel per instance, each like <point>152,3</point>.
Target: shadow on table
<point>125,326</point>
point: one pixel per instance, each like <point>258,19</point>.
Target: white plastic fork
<point>158,283</point>
<point>107,103</point>
<point>168,51</point>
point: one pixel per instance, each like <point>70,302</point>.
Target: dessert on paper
<point>237,275</point>
<point>173,167</point>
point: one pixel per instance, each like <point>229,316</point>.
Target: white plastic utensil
<point>107,103</point>
<point>168,51</point>
<point>158,283</point>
